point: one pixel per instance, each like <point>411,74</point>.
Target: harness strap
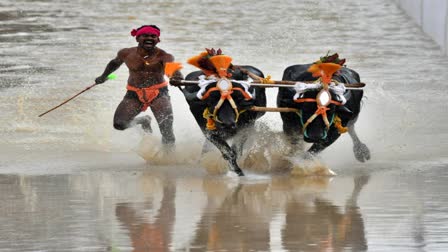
<point>147,95</point>
<point>245,94</point>
<point>314,100</point>
<point>305,100</point>
<point>321,110</point>
<point>207,94</point>
<point>225,95</point>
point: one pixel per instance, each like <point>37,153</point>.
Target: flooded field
<point>70,182</point>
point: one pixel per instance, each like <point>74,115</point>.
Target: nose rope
<point>321,110</point>
<point>212,118</point>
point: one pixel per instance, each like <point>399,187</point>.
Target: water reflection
<point>146,235</point>
<point>279,214</point>
<point>160,210</point>
<point>325,226</point>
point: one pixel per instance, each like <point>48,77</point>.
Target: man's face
<point>148,41</point>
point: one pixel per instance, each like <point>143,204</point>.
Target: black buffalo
<point>318,132</point>
<point>227,120</point>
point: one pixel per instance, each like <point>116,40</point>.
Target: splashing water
<point>152,150</point>
<point>271,152</point>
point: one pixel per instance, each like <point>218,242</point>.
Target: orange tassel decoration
<point>221,63</point>
<point>195,62</point>
<point>212,62</point>
<point>211,124</point>
<point>338,125</point>
<point>324,70</point>
<point>171,67</point>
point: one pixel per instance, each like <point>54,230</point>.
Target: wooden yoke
<point>270,109</point>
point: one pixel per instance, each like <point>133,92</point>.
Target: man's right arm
<point>110,68</point>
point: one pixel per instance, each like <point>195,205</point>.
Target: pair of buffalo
<point>223,109</point>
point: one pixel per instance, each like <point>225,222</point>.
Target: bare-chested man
<point>146,84</point>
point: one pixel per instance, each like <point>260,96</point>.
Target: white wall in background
<point>432,16</point>
<point>413,8</point>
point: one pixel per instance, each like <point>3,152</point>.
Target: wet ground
<point>125,205</point>
<point>69,182</point>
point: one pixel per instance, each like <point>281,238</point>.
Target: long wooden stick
<point>258,79</point>
<point>69,99</point>
<point>259,84</point>
<point>347,86</point>
<point>274,83</point>
<point>252,75</point>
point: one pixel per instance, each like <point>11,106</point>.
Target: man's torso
<point>144,70</point>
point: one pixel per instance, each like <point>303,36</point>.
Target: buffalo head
<point>225,101</point>
<point>320,107</point>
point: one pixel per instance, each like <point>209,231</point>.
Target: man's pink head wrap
<point>145,30</point>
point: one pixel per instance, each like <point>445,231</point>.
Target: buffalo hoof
<point>309,156</point>
<point>362,152</point>
<point>239,172</point>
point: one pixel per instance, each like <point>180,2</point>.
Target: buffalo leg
<point>316,148</point>
<point>239,141</point>
<point>361,151</point>
<point>227,152</point>
<point>292,129</point>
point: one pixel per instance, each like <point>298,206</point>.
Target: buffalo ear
<point>343,112</point>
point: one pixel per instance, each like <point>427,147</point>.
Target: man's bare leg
<point>163,112</point>
<point>145,121</point>
<point>125,115</point>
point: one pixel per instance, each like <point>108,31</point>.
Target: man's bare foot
<point>145,121</point>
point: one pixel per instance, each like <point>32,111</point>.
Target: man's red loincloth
<point>147,95</point>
